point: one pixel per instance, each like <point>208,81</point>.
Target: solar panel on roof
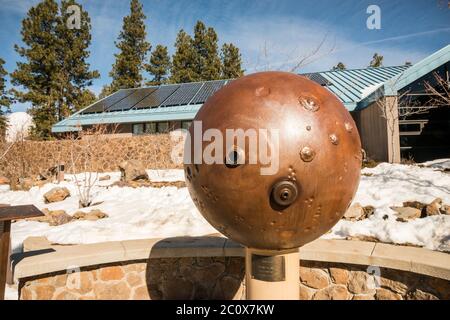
<point>104,104</point>
<point>318,78</point>
<point>130,101</point>
<point>157,97</point>
<point>208,89</point>
<point>183,95</point>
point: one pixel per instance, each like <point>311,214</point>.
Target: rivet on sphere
<point>308,128</point>
<point>309,104</point>
<point>307,154</point>
<point>348,127</point>
<point>334,139</point>
<point>262,92</point>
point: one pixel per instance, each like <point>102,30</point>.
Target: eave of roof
<point>417,71</point>
<point>73,122</point>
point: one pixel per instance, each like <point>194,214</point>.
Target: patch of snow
<point>19,124</point>
<point>138,213</point>
<point>370,89</point>
<point>11,292</point>
<point>166,175</point>
<point>438,164</point>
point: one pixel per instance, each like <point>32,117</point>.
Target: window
<point>162,127</point>
<point>185,124</point>
<point>138,128</point>
<point>410,127</point>
<point>150,127</point>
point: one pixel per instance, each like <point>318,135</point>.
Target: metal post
<point>60,173</point>
<point>272,275</point>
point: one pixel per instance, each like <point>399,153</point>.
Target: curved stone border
<point>57,258</point>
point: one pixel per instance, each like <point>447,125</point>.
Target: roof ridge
<point>356,69</point>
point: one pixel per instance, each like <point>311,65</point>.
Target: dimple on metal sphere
<point>314,160</point>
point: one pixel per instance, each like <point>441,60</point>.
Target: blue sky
<point>272,34</point>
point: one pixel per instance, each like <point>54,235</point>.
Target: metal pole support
<point>272,274</point>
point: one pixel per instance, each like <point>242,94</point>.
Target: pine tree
<point>106,91</point>
<point>339,66</point>
<point>231,62</point>
<point>184,60</point>
<point>133,47</point>
<point>75,73</point>
<point>39,73</point>
<point>377,61</point>
<point>159,66</point>
<point>208,61</point>
<point>86,98</point>
<point>54,72</point>
<point>5,99</point>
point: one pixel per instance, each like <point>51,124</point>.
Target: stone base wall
<point>336,281</point>
<point>223,278</point>
<point>171,278</point>
<point>30,158</point>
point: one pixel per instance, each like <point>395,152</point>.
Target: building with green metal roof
<point>386,136</point>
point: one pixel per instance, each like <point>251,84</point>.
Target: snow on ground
<point>134,213</point>
<point>441,164</point>
<point>166,212</point>
<point>389,185</point>
<point>11,292</point>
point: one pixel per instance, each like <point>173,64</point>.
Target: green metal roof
<point>415,72</point>
<point>353,85</point>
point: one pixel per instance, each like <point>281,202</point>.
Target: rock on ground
<point>406,213</point>
<point>355,212</point>
<point>4,180</point>
<point>445,209</point>
<point>415,204</point>
<point>132,170</point>
<point>56,194</point>
<point>53,218</point>
<point>104,178</point>
<point>434,207</point>
<point>93,215</point>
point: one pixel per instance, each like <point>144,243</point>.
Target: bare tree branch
<point>440,93</point>
<point>82,154</point>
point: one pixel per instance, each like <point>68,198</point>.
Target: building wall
<point>373,132</point>
<point>375,136</point>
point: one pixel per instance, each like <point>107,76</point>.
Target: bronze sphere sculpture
<point>319,162</point>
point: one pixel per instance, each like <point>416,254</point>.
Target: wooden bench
<point>7,214</point>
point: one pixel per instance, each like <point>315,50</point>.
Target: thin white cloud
<point>17,6</point>
<point>287,41</point>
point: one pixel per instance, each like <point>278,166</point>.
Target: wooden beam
<point>5,230</point>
